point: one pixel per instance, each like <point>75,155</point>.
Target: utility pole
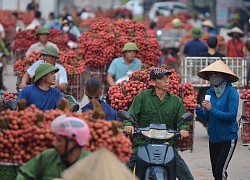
<point>213,11</point>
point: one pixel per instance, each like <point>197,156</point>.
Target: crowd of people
<point>149,106</point>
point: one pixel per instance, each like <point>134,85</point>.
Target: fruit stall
<point>26,133</point>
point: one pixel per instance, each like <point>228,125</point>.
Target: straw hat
<point>235,30</point>
<point>221,67</point>
<point>208,23</point>
<point>176,20</point>
<point>102,164</point>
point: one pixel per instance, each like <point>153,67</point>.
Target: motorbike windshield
<point>158,134</point>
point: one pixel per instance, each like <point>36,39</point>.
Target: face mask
<point>220,89</point>
<point>216,79</point>
<point>65,29</point>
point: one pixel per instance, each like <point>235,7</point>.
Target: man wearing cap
<point>50,55</point>
<point>234,21</point>
<point>235,45</point>
<point>158,106</point>
<point>125,64</point>
<point>195,47</point>
<point>220,112</point>
<point>42,34</point>
<point>41,93</point>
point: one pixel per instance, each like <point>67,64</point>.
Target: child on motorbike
<point>93,89</point>
<point>158,106</point>
<point>71,134</point>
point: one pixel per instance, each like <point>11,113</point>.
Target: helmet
<point>44,69</point>
<point>50,51</point>
<point>71,128</point>
<point>42,30</point>
<point>130,47</point>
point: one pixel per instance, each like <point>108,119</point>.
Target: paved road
<point>198,160</point>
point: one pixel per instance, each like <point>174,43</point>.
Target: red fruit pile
<point>245,96</point>
<point>189,95</point>
<point>9,96</point>
<point>105,42</point>
<point>59,39</point>
<point>27,133</point>
<point>71,62</point>
<point>245,133</point>
<point>9,23</point>
<point>24,39</point>
<point>174,83</point>
<point>102,134</point>
<point>23,64</point>
<point>186,143</point>
<point>122,95</point>
<point>163,20</point>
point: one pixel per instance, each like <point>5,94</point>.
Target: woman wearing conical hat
<point>220,112</point>
<point>235,45</point>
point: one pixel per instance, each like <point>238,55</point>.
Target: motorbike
<point>156,160</point>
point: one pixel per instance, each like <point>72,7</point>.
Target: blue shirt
<point>110,113</point>
<point>195,48</point>
<point>119,68</point>
<point>55,24</point>
<point>222,117</point>
<point>44,100</point>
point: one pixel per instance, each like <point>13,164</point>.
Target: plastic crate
<point>245,132</point>
<point>246,110</point>
<point>190,66</point>
<point>8,171</point>
<point>187,143</point>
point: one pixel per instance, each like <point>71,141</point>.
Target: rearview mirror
<point>11,104</point>
<point>124,115</point>
<point>187,117</point>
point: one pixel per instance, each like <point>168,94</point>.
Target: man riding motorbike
<point>158,106</point>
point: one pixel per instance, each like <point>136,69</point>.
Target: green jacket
<point>45,166</point>
<point>147,108</point>
<point>3,48</point>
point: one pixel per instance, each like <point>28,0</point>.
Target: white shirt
<point>38,47</point>
<point>61,75</point>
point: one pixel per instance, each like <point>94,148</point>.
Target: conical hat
<point>102,164</point>
<point>208,23</point>
<point>221,67</point>
<point>235,30</point>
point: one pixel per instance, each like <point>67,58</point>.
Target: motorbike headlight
<point>158,33</point>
